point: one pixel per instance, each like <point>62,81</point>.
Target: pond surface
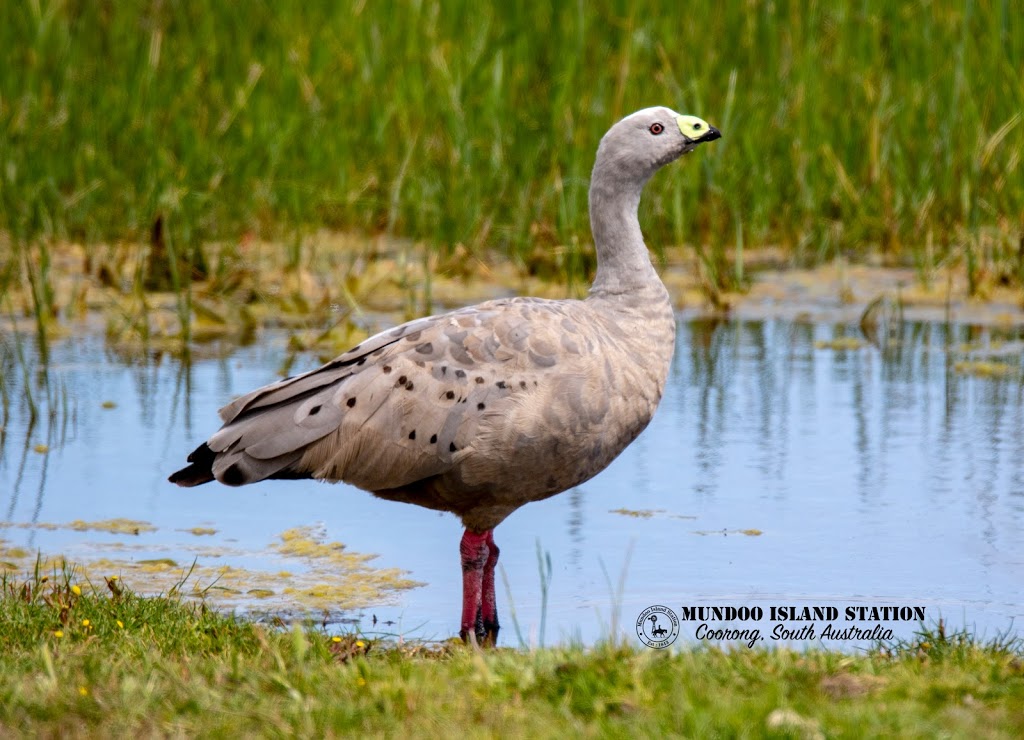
<point>783,468</point>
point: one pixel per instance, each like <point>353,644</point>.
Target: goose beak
<point>696,131</point>
<point>710,135</point>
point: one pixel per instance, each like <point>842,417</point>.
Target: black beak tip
<point>712,134</point>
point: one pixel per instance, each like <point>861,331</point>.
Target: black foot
<point>486,633</point>
<point>490,638</point>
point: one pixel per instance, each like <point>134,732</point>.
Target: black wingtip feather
<point>200,471</point>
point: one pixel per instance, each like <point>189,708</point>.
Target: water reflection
<point>875,476</point>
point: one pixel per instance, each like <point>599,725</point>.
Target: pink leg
<point>489,605</point>
<point>474,551</point>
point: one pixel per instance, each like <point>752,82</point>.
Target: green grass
<point>848,127</point>
<point>104,662</point>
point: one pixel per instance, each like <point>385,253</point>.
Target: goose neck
<point>623,263</point>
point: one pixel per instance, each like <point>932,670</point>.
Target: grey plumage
<point>484,409</point>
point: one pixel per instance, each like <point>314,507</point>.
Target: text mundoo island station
<point>805,619</point>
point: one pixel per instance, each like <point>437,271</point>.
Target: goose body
<point>484,409</point>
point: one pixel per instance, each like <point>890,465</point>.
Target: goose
<point>486,408</point>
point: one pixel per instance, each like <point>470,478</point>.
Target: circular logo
<point>657,626</point>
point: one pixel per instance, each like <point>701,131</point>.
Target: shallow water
<point>778,471</point>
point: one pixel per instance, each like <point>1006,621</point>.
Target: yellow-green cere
<point>692,127</point>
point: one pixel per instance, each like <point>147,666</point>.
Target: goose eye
<point>696,127</point>
<point>656,128</point>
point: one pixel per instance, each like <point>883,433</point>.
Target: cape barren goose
<point>487,408</point>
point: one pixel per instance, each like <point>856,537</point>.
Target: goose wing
<point>398,408</point>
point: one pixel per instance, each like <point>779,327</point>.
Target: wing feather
<point>403,406</point>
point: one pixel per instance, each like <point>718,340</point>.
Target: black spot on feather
<point>386,369</point>
<point>425,349</point>
<point>500,384</point>
<point>233,476</point>
<point>450,395</point>
<point>351,402</point>
<point>452,447</point>
<point>481,406</point>
<point>412,434</point>
<point>433,439</point>
<point>315,410</point>
<point>460,373</point>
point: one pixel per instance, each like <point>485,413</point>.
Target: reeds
<point>847,127</point>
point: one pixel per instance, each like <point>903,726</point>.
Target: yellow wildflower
<point>76,590</point>
<point>335,639</point>
<point>58,633</point>
<point>120,624</point>
<point>360,644</point>
<point>85,622</point>
<point>83,691</point>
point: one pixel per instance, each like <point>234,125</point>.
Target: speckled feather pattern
<point>484,409</point>
<point>459,411</point>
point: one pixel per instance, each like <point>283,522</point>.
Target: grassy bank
<point>848,126</point>
<point>101,661</point>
